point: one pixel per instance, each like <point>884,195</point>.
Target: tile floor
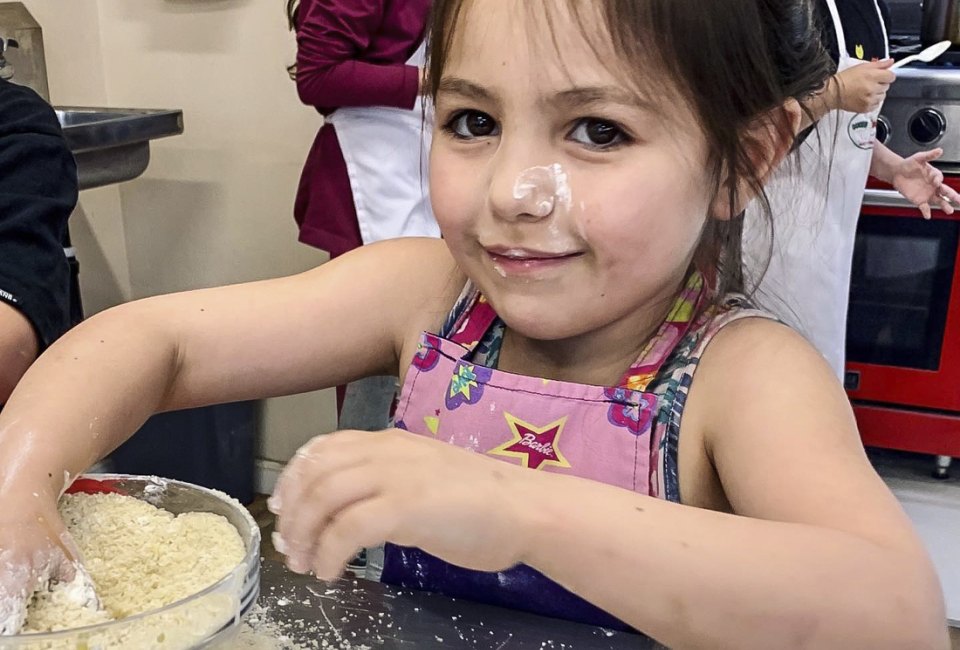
<point>934,507</point>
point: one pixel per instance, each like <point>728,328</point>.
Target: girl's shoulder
<point>417,282</point>
<point>741,361</point>
<point>737,383</point>
<point>732,309</point>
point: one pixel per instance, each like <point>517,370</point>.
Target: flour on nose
<point>545,187</point>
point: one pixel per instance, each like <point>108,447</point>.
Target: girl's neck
<point>600,357</point>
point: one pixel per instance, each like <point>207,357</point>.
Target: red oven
<point>903,328</point>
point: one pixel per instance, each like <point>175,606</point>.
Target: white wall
<point>215,204</point>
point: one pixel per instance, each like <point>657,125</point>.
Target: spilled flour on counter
<point>140,558</point>
<point>262,631</point>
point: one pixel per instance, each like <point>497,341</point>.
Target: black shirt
<point>38,191</point>
<point>862,28</point>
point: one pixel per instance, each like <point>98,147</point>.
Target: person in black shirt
<point>867,37</point>
<point>38,191</point>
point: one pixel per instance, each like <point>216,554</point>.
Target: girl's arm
<point>818,555</point>
<point>93,388</point>
<point>331,35</point>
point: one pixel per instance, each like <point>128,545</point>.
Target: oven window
<point>900,290</point>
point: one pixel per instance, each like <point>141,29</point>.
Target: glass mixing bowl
<point>210,618</point>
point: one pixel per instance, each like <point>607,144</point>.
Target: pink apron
<point>605,434</point>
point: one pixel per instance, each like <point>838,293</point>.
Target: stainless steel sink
<point>112,145</point>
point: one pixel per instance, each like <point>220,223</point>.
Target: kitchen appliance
<point>903,329</point>
<point>941,21</point>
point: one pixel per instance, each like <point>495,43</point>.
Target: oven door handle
<point>889,199</point>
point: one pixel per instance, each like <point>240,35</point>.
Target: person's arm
<point>94,387</point>
<point>884,163</point>
<point>858,89</point>
<point>819,104</point>
<point>818,555</point>
<point>331,36</point>
<point>38,191</point>
<point>97,384</point>
<point>915,178</point>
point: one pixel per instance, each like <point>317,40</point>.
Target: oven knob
<point>884,130</point>
<point>927,126</point>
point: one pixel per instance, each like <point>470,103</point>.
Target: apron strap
<point>471,318</point>
<point>842,38</point>
<point>678,323</point>
<point>838,27</point>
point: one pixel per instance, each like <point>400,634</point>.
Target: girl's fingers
<point>312,464</point>
<point>925,210</point>
<point>363,524</point>
<point>322,454</point>
<point>305,521</point>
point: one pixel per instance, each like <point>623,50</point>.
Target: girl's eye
<point>473,124</point>
<point>599,134</point>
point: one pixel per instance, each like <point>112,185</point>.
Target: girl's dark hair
<point>293,20</point>
<point>734,62</point>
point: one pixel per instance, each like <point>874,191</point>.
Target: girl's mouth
<point>528,262</point>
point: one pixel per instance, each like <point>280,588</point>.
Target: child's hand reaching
<point>922,184</point>
<point>352,489</point>
<point>33,551</point>
<point>863,87</point>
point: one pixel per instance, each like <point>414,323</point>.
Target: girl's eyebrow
<point>592,95</point>
<point>467,89</point>
<point>571,98</point>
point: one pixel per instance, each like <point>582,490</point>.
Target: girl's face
<point>572,202</point>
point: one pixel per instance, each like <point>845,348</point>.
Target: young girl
<point>552,449</point>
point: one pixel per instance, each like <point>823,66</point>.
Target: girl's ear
<point>766,144</point>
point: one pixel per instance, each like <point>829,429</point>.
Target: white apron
<point>386,152</point>
<point>815,209</point>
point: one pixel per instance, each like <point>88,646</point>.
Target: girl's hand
<point>34,548</point>
<point>922,184</point>
<point>352,489</point>
<point>863,87</point>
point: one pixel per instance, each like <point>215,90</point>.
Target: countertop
<point>301,612</point>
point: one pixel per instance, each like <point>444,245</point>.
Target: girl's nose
<point>531,194</point>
